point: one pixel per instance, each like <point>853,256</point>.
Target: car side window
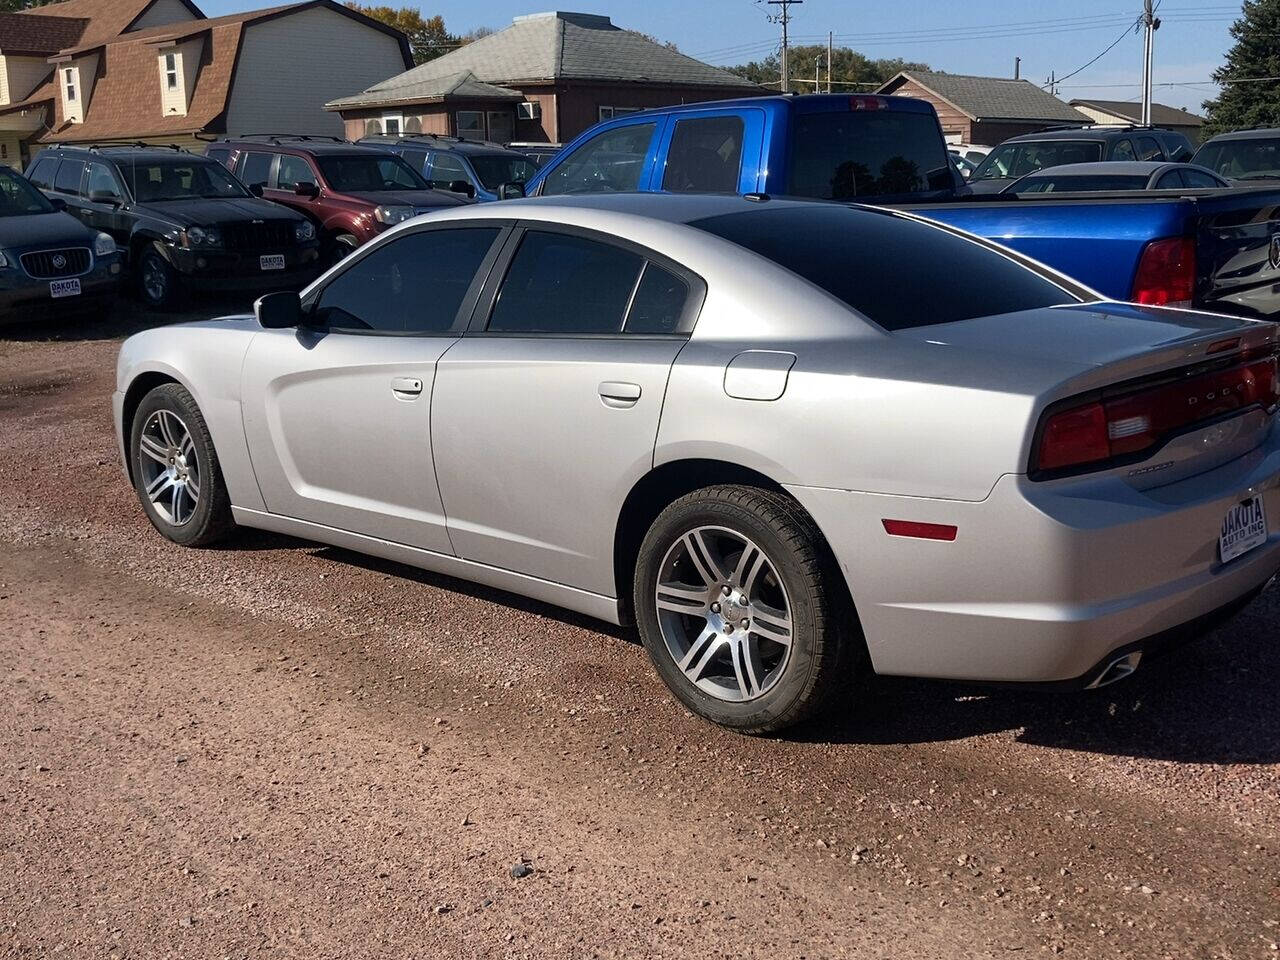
<point>658,303</point>
<point>293,171</point>
<point>609,162</point>
<point>1123,150</point>
<point>1198,180</point>
<point>446,168</point>
<point>705,156</point>
<point>416,159</point>
<point>103,182</point>
<point>41,172</point>
<point>256,168</point>
<point>567,285</point>
<point>68,176</point>
<point>414,284</point>
<point>1149,149</point>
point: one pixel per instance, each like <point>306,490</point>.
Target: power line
<point>1112,46</point>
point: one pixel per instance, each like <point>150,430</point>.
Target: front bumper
<point>219,270</point>
<point>1045,581</point>
<point>22,298</point>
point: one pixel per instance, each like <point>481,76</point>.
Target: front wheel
<point>158,283</point>
<point>733,602</point>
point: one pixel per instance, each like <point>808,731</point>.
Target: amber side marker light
<point>920,531</point>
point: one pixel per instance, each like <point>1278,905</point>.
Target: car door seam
<point>431,442</point>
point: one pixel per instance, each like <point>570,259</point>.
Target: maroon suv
<point>352,193</point>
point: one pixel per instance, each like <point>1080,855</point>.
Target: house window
<point>608,113</point>
<point>392,124</point>
<point>171,71</point>
<point>69,78</point>
<point>471,124</point>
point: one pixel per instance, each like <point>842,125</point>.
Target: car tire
<point>726,660</point>
<point>341,247</point>
<point>158,283</point>
<point>175,469</point>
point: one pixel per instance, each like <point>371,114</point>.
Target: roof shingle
<point>991,98</point>
<point>1161,115</point>
<point>38,35</point>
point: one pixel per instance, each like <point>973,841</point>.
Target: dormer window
<point>69,78</point>
<point>171,71</point>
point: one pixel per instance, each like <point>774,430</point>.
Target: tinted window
<point>414,284</point>
<point>19,198</point>
<point>567,285</point>
<point>179,180</point>
<point>1123,150</point>
<point>607,163</point>
<point>416,159</point>
<point>102,180</point>
<point>1020,159</point>
<point>894,271</point>
<point>68,178</point>
<point>1251,159</point>
<point>705,156</point>
<point>446,168</point>
<point>293,171</point>
<point>840,156</point>
<point>1170,181</point>
<point>1051,184</point>
<point>1148,149</point>
<point>1198,179</point>
<point>369,174</point>
<point>41,172</point>
<point>658,303</point>
<point>256,168</point>
<point>497,169</point>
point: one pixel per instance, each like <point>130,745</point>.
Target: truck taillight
<point>1129,425</point>
<point>864,102</point>
<point>1166,273</point>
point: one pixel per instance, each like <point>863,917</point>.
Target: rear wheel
<point>732,600</point>
<point>175,469</point>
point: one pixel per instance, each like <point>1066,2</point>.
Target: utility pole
<point>1053,82</point>
<point>1151,23</point>
<point>828,61</point>
<point>784,18</point>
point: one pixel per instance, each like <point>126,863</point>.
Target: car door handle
<point>406,386</point>
<point>616,393</point>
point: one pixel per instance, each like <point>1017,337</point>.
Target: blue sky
<point>970,36</point>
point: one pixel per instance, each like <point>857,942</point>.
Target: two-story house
<point>160,71</point>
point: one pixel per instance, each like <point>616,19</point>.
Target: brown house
<point>545,78</point>
<point>984,110</point>
<point>102,71</point>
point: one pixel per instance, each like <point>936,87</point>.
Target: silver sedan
<point>790,441</point>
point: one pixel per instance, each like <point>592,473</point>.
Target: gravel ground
<point>275,748</point>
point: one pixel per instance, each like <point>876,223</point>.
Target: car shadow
<point>124,318</point>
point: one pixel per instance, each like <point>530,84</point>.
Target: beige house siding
<point>11,150</point>
<point>21,75</point>
<point>162,12</point>
<point>187,64</point>
<point>291,66</point>
<point>84,71</point>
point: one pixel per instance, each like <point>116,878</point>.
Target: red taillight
<point>864,102</point>
<point>1166,272</point>
<point>1129,423</point>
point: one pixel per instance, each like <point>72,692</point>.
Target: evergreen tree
<point>1256,54</point>
<point>10,6</point>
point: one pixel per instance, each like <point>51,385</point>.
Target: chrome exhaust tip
<point>1117,669</point>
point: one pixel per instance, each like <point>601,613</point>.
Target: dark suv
<point>1056,147</point>
<point>486,171</point>
<point>351,193</point>
<point>185,222</point>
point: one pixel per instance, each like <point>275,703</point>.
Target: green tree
<point>850,71</point>
<point>10,6</point>
<point>1256,53</point>
<point>428,37</point>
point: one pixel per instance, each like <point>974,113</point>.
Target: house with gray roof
<point>1124,111</point>
<point>545,78</point>
<point>984,110</point>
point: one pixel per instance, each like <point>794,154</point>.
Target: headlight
<point>202,237</point>
<point>306,230</point>
<point>393,214</point>
<point>103,245</point>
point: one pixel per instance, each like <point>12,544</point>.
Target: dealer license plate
<point>271,261</point>
<point>64,288</point>
<point>1244,528</point>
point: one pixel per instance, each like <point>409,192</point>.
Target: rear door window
<point>705,156</point>
<point>256,168</point>
<point>103,182</point>
<point>68,177</point>
<point>1123,150</point>
<point>610,162</point>
<point>658,304</point>
<point>1149,149</point>
<point>842,155</point>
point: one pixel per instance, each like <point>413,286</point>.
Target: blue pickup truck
<point>1214,249</point>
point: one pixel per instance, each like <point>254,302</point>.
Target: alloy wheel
<point>154,281</point>
<point>171,474</point>
<point>724,614</point>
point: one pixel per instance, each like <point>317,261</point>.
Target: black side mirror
<point>462,186</point>
<point>306,189</point>
<point>104,196</point>
<point>511,191</point>
<point>256,189</point>
<point>279,311</point>
<point>58,204</point>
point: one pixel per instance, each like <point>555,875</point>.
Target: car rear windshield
<point>496,169</point>
<point>896,272</point>
<point>370,174</point>
<point>1019,159</point>
<point>1251,159</point>
<point>19,198</point>
<point>1077,184</point>
<point>843,155</point>
<point>154,180</point>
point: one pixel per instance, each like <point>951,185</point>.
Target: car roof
<point>1099,134</point>
<point>1136,168</point>
<point>1260,133</point>
<point>124,152</point>
<point>431,141</point>
<point>297,145</point>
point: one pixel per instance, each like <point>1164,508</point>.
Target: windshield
<point>19,198</point>
<point>1019,159</point>
<point>494,170</point>
<point>370,174</point>
<point>1241,159</point>
<point>846,155</point>
<point>894,271</point>
<point>180,180</point>
<point>1076,184</point>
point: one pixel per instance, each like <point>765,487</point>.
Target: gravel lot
<point>275,748</point>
